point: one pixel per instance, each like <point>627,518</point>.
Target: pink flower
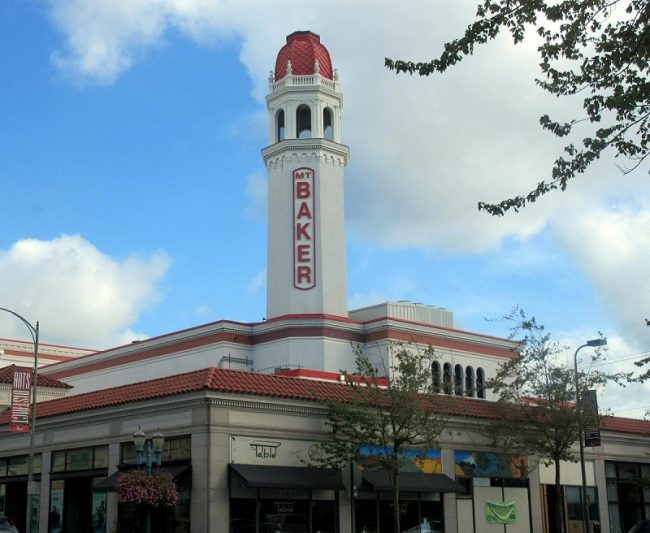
<point>156,489</point>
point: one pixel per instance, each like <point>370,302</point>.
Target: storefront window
<point>282,514</point>
<point>98,510</point>
<point>627,470</point>
<point>56,506</point>
<point>610,470</point>
<point>574,502</point>
<point>366,515</point>
<point>628,494</point>
<point>80,459</point>
<point>58,461</point>
<point>174,449</point>
<point>100,457</point>
<point>17,466</point>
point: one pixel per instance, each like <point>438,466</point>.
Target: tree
<point>537,394</point>
<point>599,48</point>
<point>392,407</point>
<point>645,360</point>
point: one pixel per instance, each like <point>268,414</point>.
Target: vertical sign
<point>590,414</point>
<point>304,231</point>
<point>20,401</point>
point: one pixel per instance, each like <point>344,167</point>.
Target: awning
<point>286,477</point>
<point>110,483</point>
<point>412,482</point>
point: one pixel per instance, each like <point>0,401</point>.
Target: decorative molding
<point>296,151</point>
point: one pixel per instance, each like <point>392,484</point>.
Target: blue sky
<point>133,188</point>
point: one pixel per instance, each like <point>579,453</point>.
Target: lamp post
<point>148,452</point>
<point>593,343</point>
<point>33,331</point>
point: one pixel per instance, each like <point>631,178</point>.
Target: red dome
<point>303,48</point>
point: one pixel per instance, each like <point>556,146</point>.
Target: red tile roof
<point>625,425</point>
<point>7,376</point>
<point>303,48</point>
<point>270,385</point>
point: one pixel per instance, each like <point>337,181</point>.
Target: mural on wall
<point>425,461</point>
<point>487,464</point>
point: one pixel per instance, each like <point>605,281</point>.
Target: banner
<point>590,414</point>
<point>500,512</point>
<point>20,401</point>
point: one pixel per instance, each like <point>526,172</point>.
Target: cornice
<point>300,147</point>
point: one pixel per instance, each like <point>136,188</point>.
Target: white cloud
<point>632,401</point>
<point>79,295</point>
<point>612,247</point>
<point>424,151</point>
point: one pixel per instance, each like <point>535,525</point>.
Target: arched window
<point>328,129</point>
<point>303,121</point>
<point>279,125</point>
<point>470,386</point>
<point>458,380</point>
<point>435,375</point>
<point>447,379</point>
<point>480,383</point>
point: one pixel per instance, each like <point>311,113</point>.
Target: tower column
<point>306,272</point>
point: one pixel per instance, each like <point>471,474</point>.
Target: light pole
<point>593,343</point>
<point>148,453</point>
<point>33,331</point>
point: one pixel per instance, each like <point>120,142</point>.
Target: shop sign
<point>20,401</point>
<point>269,451</point>
<point>304,229</point>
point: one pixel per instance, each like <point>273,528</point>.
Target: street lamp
<point>593,343</point>
<point>33,331</point>
<point>148,452</point>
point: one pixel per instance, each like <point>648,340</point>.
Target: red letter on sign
<point>302,189</point>
<point>304,211</point>
<point>304,274</point>
<point>301,231</point>
<point>303,253</point>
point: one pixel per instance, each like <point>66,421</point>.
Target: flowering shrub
<point>154,490</point>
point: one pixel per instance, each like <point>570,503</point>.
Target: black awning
<point>286,477</point>
<point>110,483</point>
<point>412,482</point>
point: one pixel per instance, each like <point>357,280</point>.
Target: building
<point>21,353</point>
<point>241,403</point>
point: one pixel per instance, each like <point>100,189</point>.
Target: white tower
<point>306,243</point>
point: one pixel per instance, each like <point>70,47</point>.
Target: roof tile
<point>252,383</point>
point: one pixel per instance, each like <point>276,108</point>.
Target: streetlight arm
<point>33,331</point>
